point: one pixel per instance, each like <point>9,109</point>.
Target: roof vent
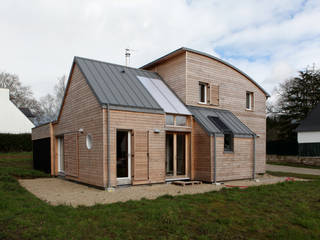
<point>123,71</point>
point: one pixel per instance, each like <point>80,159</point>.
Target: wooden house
<point>187,115</point>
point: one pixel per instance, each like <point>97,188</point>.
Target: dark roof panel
<point>118,85</point>
<point>231,122</point>
<point>311,122</point>
<point>27,112</point>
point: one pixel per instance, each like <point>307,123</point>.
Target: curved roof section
<point>184,49</point>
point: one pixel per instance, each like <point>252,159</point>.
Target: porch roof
<point>202,116</point>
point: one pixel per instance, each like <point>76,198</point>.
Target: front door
<point>177,155</point>
<point>123,157</point>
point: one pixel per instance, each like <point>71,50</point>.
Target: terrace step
<point>184,183</point>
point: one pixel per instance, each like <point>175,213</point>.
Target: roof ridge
<point>114,64</point>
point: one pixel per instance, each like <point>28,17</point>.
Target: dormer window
<point>203,88</point>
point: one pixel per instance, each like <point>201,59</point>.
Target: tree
<point>20,95</point>
<point>296,98</point>
<point>50,104</point>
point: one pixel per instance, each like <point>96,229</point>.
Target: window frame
<point>250,101</point>
<point>205,92</point>
<point>173,120</point>
<point>231,148</point>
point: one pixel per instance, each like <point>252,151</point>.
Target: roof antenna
<point>127,55</point>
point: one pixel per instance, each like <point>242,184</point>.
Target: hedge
<point>15,142</point>
<point>283,147</point>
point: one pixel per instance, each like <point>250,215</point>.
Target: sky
<point>270,40</point>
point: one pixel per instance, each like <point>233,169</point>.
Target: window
<point>228,135</point>
<point>228,142</point>
<point>89,141</point>
<point>181,120</point>
<point>169,120</point>
<point>203,92</point>
<point>249,100</point>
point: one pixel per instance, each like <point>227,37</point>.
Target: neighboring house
<point>309,134</point>
<point>187,115</point>
<point>12,120</point>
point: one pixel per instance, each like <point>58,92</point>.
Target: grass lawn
<point>283,211</point>
<point>294,165</point>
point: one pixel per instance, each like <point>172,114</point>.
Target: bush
<point>15,142</point>
<point>282,147</point>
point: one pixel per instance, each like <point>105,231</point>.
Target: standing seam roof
<point>118,85</point>
<point>201,115</point>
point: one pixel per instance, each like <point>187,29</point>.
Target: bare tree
<point>20,95</point>
<point>50,104</point>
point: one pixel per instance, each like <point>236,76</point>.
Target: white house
<point>12,120</point>
<point>309,134</point>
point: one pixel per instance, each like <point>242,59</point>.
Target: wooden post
<point>52,152</point>
<point>174,154</point>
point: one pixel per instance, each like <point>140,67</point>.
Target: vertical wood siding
<point>141,125</point>
<point>232,96</point>
<point>82,110</point>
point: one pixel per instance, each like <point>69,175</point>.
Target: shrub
<point>15,142</point>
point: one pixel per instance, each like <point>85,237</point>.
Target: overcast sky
<point>270,40</point>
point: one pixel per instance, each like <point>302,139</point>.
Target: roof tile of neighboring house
<point>311,122</point>
<point>27,112</point>
<point>201,115</point>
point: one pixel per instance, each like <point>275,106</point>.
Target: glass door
<point>176,155</point>
<point>123,157</point>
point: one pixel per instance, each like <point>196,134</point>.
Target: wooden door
<point>141,161</point>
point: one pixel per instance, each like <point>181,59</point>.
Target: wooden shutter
<point>141,165</point>
<point>71,159</point>
<point>214,95</point>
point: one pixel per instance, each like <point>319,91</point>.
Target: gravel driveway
<point>58,191</point>
<point>279,168</point>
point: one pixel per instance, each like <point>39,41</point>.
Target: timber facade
<point>187,115</point>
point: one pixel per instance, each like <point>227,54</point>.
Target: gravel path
<point>279,168</point>
<point>58,191</point>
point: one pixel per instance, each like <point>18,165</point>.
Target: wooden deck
<point>184,183</point>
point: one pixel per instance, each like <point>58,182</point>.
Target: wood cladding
<point>141,152</point>
<point>82,110</point>
<point>214,95</point>
<point>142,126</point>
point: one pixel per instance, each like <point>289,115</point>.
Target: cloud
<point>268,39</point>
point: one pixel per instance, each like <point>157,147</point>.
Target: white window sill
<point>203,103</point>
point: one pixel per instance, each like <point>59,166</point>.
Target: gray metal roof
<point>118,85</point>
<point>164,96</point>
<point>201,115</point>
<point>311,122</point>
<point>182,49</point>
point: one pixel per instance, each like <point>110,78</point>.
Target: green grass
<point>283,211</point>
<point>296,175</point>
<point>294,165</point>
